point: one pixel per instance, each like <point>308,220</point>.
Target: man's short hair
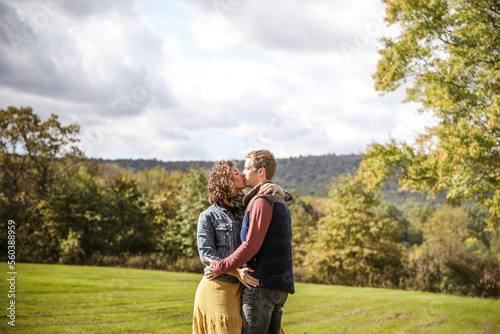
<point>264,159</point>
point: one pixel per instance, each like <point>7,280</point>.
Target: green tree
<point>162,190</point>
<point>494,241</point>
<point>417,216</point>
<point>78,206</point>
<point>356,243</point>
<point>446,228</point>
<point>179,235</point>
<point>420,213</point>
<point>479,233</point>
<point>447,55</point>
<point>392,211</point>
<point>304,221</point>
<point>126,224</point>
<point>37,158</point>
<point>158,179</point>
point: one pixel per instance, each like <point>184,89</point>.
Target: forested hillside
<point>309,175</point>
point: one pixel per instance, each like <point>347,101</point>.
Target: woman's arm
<point>273,188</point>
<point>206,239</point>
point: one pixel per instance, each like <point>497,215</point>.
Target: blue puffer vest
<point>273,265</point>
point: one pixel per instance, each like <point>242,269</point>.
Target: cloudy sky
<point>203,79</point>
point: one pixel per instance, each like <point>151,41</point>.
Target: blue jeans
<point>261,310</point>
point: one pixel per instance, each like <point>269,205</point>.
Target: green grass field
<point>78,299</point>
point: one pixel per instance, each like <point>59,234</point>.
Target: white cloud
<point>188,80</point>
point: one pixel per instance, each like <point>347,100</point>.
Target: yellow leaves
<point>492,122</point>
<point>493,205</point>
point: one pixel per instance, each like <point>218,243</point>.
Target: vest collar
<point>252,193</point>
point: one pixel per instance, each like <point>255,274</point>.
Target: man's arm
<point>260,218</point>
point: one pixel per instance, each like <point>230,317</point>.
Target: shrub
<point>457,272</point>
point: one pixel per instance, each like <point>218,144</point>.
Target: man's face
<point>238,179</point>
<point>251,174</point>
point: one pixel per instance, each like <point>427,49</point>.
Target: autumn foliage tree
<point>447,54</point>
<point>356,243</point>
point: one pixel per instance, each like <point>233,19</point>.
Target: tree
<point>78,206</point>
<point>158,180</point>
<point>446,262</point>
<point>356,242</point>
<point>163,190</point>
<point>37,158</point>
<point>304,220</point>
<point>179,236</point>
<point>126,225</point>
<point>446,228</point>
<point>448,55</point>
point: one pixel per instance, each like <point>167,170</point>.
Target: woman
<point>217,305</point>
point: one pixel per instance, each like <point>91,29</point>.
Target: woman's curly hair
<point>220,181</point>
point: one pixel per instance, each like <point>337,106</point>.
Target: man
<point>266,248</point>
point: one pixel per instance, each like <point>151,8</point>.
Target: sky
<point>179,80</point>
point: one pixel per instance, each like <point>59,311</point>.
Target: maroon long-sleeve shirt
<point>260,216</point>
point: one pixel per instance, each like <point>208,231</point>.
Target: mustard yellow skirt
<point>217,308</point>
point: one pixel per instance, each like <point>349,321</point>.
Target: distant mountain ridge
<point>308,175</point>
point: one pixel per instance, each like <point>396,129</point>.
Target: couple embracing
<point>244,239</point>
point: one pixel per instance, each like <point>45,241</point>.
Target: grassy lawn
<point>77,299</point>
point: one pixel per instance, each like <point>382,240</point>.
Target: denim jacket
<point>218,237</point>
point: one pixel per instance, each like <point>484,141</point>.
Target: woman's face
<point>238,179</point>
